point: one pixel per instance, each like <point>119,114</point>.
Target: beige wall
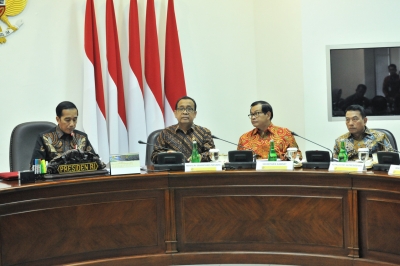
<point>234,52</point>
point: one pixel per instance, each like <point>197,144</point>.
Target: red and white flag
<point>135,97</point>
<point>174,78</point>
<point>94,109</point>
<point>118,132</point>
<point>153,95</point>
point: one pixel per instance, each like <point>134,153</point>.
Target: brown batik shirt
<point>174,138</point>
<point>54,142</point>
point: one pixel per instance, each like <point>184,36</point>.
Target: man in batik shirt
<point>359,136</point>
<point>63,137</point>
<point>180,137</point>
<point>258,139</point>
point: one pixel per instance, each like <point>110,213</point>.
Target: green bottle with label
<point>195,158</point>
<point>272,156</point>
<point>342,153</point>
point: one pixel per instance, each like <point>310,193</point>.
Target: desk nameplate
<point>274,166</point>
<point>200,167</point>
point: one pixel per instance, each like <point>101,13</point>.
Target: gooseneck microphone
<point>294,134</point>
<point>158,147</point>
<point>247,149</point>
<point>215,137</point>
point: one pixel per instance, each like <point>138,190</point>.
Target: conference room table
<point>300,217</point>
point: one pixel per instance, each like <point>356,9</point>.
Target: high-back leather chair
<point>22,142</point>
<point>151,139</point>
<point>390,136</point>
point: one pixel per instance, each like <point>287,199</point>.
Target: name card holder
<point>122,164</point>
<point>346,167</point>
<point>202,167</point>
<point>394,170</point>
<point>274,166</point>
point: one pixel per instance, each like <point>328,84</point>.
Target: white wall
<point>40,65</point>
<point>42,61</point>
<point>234,52</point>
<point>279,62</point>
<point>217,41</point>
<point>328,22</point>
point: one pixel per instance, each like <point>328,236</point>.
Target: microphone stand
<point>294,134</point>
<point>215,137</point>
<point>160,147</point>
<point>254,154</point>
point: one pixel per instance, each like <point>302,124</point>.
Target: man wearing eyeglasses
<point>180,137</point>
<point>360,136</point>
<point>258,139</point>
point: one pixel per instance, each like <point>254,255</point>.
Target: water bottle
<point>342,153</point>
<point>195,158</point>
<point>272,156</point>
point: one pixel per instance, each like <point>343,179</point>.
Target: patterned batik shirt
<point>54,142</point>
<point>259,142</point>
<point>174,138</point>
<point>373,140</point>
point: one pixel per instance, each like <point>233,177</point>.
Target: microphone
<point>294,134</point>
<point>161,147</point>
<point>215,137</point>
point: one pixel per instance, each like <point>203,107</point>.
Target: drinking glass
<point>214,154</point>
<point>363,154</point>
<point>291,153</point>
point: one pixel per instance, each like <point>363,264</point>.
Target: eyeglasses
<point>188,110</point>
<point>256,114</point>
<point>353,119</point>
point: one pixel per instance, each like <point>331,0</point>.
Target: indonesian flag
<point>116,100</point>
<point>174,79</point>
<point>135,98</point>
<point>152,84</point>
<point>94,110</point>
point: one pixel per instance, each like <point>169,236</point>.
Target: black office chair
<point>390,136</point>
<point>22,142</point>
<point>151,139</point>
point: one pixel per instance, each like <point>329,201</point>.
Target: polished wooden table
<point>301,217</point>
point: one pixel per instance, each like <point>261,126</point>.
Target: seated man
<point>391,83</point>
<point>357,98</point>
<point>359,136</point>
<point>180,137</point>
<point>258,139</point>
<point>63,137</point>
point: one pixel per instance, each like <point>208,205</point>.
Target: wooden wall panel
<point>380,225</point>
<point>304,217</point>
<point>263,218</point>
<point>85,228</point>
<point>52,229</point>
<point>271,219</point>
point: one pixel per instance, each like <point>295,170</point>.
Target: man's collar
<point>190,129</point>
<point>258,131</point>
<point>367,131</point>
<point>60,133</point>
